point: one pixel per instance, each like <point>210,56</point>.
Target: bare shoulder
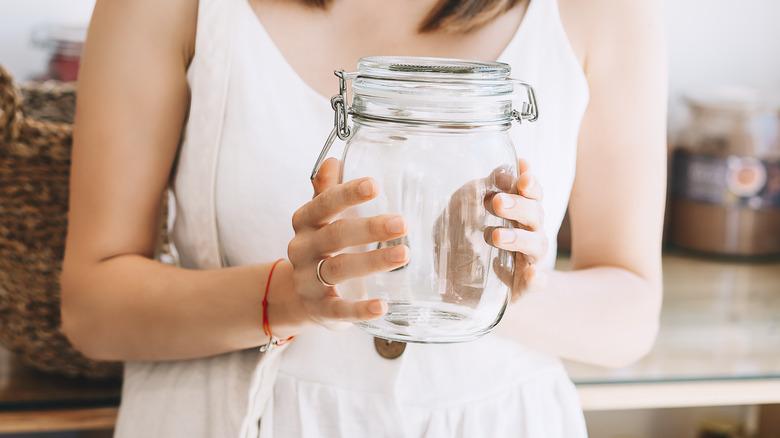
<point>600,29</point>
<point>169,25</point>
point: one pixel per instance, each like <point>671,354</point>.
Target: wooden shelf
<point>58,420</point>
<point>32,401</point>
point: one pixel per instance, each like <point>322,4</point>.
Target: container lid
<point>439,69</point>
<point>439,90</point>
<point>441,79</point>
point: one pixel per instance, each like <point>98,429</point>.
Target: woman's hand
<point>319,234</point>
<point>527,240</point>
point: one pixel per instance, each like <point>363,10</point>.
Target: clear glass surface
<point>440,180</point>
<point>433,133</point>
<point>720,321</point>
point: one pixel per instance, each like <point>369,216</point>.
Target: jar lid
<point>440,69</point>
<point>440,79</point>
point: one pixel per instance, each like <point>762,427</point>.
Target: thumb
<point>328,176</point>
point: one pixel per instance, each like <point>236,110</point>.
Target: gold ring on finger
<point>319,274</point>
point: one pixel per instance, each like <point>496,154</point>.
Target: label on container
<point>745,181</point>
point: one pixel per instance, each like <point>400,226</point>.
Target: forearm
<point>133,308</point>
<point>602,315</point>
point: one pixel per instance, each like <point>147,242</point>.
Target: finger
<point>528,186</point>
<point>343,267</point>
<point>504,273</point>
<point>529,278</point>
<point>332,201</point>
<point>345,233</point>
<point>535,278</point>
<point>526,212</point>
<point>501,178</point>
<point>327,176</point>
<point>532,244</point>
<point>523,166</point>
<point>339,309</point>
<point>323,309</point>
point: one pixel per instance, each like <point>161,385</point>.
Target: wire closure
<point>273,341</point>
<point>530,109</point>
<point>528,112</point>
<point>340,113</point>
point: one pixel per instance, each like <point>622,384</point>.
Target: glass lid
<point>442,69</point>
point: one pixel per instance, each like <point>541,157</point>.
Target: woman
<point>248,82</point>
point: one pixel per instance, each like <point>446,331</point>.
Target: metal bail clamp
<point>530,109</point>
<point>529,112</point>
<point>340,113</point>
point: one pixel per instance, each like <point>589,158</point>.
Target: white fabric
<point>254,132</point>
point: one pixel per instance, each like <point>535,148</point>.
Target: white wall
<point>721,43</point>
<point>17,20</point>
<point>711,42</point>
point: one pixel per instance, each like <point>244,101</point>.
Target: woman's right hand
<point>321,235</point>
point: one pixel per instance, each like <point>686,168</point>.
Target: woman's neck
<point>316,41</point>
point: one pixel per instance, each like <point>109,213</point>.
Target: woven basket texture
<point>35,140</point>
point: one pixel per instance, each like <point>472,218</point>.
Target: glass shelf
<point>720,321</point>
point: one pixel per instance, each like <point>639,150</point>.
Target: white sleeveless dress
<point>254,132</point>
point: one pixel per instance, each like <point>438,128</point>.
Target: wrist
<point>286,315</point>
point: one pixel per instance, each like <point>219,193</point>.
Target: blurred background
<point>712,43</point>
<point>716,369</point>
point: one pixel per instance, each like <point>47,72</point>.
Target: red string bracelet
<point>272,340</point>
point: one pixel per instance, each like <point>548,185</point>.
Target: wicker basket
<point>35,141</point>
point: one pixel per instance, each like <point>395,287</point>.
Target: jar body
<point>726,180</point>
<point>440,179</point>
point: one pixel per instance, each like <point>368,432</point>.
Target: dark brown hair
<point>460,16</point>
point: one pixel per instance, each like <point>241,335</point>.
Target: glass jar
<point>726,176</point>
<point>434,134</point>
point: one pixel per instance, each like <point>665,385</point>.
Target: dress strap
<point>208,78</point>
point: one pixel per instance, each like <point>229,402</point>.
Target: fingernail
<point>396,225</point>
<point>506,236</point>
<point>366,188</point>
<point>377,307</point>
<point>507,201</point>
<point>397,254</point>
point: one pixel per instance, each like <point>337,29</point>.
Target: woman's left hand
<point>527,240</point>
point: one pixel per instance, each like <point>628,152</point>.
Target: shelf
<point>58,420</point>
<point>719,341</point>
<point>619,396</point>
<point>32,401</point>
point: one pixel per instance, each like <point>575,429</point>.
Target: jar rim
<point>442,69</point>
